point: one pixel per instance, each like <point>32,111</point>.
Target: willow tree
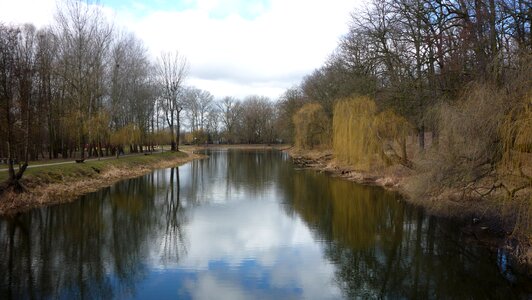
<point>515,168</point>
<point>230,114</point>
<point>392,130</point>
<point>364,138</point>
<point>127,135</point>
<point>100,129</point>
<point>132,92</point>
<point>354,137</point>
<point>311,126</point>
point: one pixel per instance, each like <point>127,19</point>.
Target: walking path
<point>72,162</point>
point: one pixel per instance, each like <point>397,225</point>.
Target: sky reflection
<point>240,245</point>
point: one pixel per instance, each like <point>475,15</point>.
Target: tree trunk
<point>172,143</point>
<point>404,156</point>
<point>178,129</point>
<point>421,137</point>
<point>435,139</point>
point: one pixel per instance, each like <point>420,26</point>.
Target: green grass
<point>57,173</point>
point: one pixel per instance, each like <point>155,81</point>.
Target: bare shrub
<point>469,143</point>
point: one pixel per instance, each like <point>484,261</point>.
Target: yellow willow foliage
<point>161,137</point>
<point>391,126</point>
<point>196,137</point>
<point>393,129</point>
<point>355,140</point>
<point>98,125</point>
<point>129,134</point>
<point>361,136</point>
<point>72,125</point>
<point>199,137</point>
<point>311,126</point>
<point>516,135</point>
<point>516,132</point>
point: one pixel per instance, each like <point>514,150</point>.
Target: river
<point>244,225</point>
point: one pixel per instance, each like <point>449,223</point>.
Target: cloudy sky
<point>234,47</point>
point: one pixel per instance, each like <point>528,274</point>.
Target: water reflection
<point>242,224</point>
<point>383,248</point>
<point>95,247</point>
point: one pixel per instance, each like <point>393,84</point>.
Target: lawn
<point>58,173</point>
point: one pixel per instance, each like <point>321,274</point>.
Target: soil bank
<point>480,220</point>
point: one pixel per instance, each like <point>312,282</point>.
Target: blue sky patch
<point>220,9</point>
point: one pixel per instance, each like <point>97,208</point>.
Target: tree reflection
<point>384,249</point>
<point>175,216</point>
<point>94,247</point>
<point>249,172</point>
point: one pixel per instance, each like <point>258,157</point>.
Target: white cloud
<point>233,51</point>
<point>40,13</point>
<point>210,287</point>
<point>282,249</point>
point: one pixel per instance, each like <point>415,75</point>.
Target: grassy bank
<point>46,185</point>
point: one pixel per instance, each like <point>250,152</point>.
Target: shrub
<point>469,142</point>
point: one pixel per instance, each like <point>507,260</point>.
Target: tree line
<point>422,61</point>
<point>439,86</point>
<point>81,87</point>
<point>411,55</point>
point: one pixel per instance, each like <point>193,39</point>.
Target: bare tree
<point>257,120</point>
<point>8,82</point>
<point>172,70</point>
<point>230,113</point>
<point>132,100</point>
<point>85,41</point>
<point>287,105</point>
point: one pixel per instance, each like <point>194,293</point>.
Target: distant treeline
<point>82,87</point>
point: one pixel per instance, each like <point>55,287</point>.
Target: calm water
<point>243,225</point>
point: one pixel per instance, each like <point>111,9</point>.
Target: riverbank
<point>483,220</point>
<point>64,181</point>
<point>54,184</point>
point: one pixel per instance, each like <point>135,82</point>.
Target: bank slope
<point>48,185</point>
